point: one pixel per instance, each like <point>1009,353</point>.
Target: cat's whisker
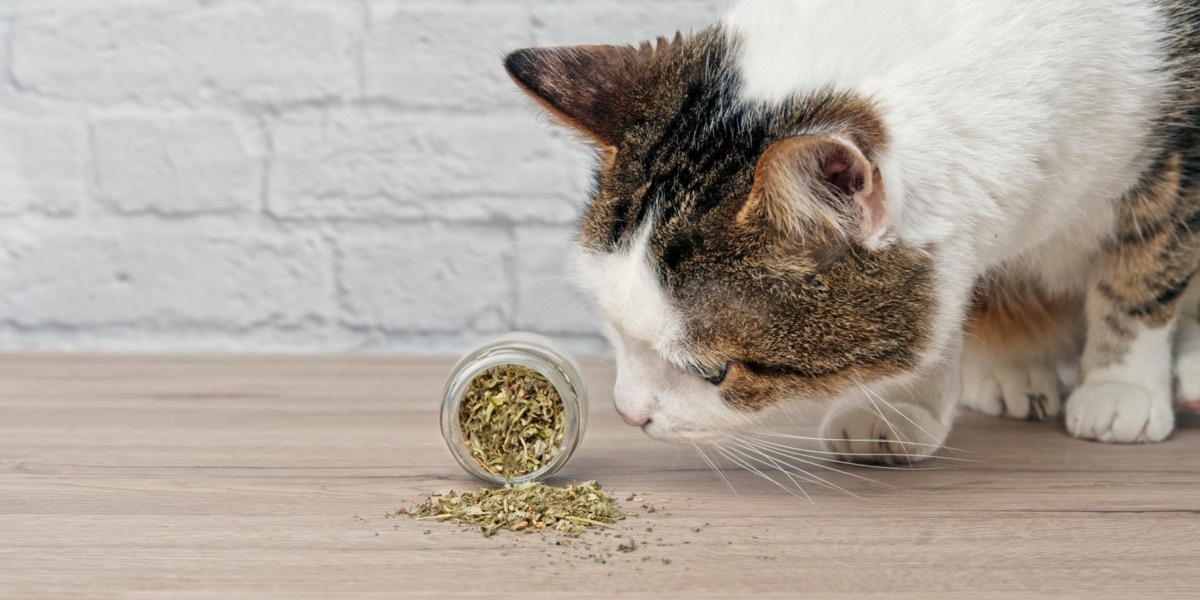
<point>835,453</point>
<point>572,306</point>
<point>716,469</point>
<point>899,439</point>
<point>931,436</point>
<point>727,453</point>
<point>549,297</point>
<point>535,282</point>
<point>866,465</point>
<point>516,293</point>
<point>772,463</point>
<point>824,439</point>
<point>806,460</point>
<point>906,417</point>
<point>808,475</point>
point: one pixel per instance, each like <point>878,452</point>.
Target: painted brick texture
<point>290,176</point>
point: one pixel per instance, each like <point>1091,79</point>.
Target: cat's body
<point>820,201</point>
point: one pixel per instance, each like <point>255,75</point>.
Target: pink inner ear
<point>835,167</point>
<point>848,173</point>
<point>813,179</point>
<point>840,171</point>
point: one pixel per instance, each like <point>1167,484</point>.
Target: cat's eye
<point>714,375</point>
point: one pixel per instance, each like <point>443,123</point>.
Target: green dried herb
<point>528,507</point>
<point>512,420</point>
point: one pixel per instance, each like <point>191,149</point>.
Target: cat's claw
<point>1024,391</point>
<point>892,434</point>
<point>1119,412</point>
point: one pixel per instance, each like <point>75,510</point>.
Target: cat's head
<point>739,251</point>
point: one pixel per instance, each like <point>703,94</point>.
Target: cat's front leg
<point>1126,392</point>
<point>1140,284</point>
<point>899,424</point>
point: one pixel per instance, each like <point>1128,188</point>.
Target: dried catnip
<point>527,507</point>
<point>512,420</point>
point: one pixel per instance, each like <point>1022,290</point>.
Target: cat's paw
<point>1119,412</point>
<point>899,434</point>
<point>1024,391</point>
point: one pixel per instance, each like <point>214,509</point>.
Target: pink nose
<point>633,420</point>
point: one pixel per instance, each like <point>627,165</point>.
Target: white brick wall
<point>289,175</point>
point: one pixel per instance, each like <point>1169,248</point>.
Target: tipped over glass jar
<point>514,408</point>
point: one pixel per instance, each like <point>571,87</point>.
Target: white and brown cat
<point>926,202</point>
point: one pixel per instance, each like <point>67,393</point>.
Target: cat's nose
<point>634,419</point>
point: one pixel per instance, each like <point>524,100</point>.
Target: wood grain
<point>273,477</point>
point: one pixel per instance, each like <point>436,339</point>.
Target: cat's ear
<point>585,87</point>
<point>818,186</point>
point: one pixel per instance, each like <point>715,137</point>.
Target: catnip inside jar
<point>514,408</point>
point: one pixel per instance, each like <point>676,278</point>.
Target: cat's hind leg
<point>1141,281</point>
<point>1024,390</point>
<point>1016,333</point>
<point>1187,360</point>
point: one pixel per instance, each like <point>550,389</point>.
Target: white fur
<point>1014,125</point>
<point>1129,401</point>
<point>626,290</point>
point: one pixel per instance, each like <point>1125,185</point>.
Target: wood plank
<point>203,477</point>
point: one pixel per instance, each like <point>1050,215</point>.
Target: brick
<point>158,280</point>
<point>106,52</point>
<point>427,277</point>
<point>372,163</point>
<point>547,298</point>
<point>42,166</point>
<point>175,166</point>
<point>444,54</point>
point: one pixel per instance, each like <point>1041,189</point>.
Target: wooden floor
<point>278,477</point>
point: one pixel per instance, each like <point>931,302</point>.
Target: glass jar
<point>531,351</point>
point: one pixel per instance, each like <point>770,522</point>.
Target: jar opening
<point>512,420</point>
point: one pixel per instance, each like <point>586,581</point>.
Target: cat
<point>890,209</point>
